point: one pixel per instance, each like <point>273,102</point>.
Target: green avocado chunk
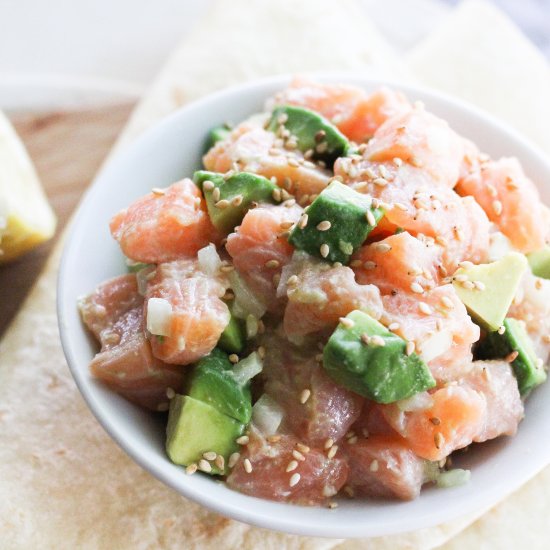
<point>527,367</point>
<point>371,361</point>
<point>539,262</point>
<point>340,219</point>
<point>312,131</point>
<point>194,428</point>
<point>212,381</point>
<point>236,196</point>
<point>489,304</point>
<point>233,338</point>
<point>218,133</point>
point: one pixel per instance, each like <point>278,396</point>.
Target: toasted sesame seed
<point>497,207</point>
<point>303,448</point>
<point>243,440</point>
<point>350,491</point>
<point>348,323</point>
<point>416,287</point>
<point>272,264</point>
<point>439,440</point>
<point>191,469</point>
<point>324,225</point>
<point>332,505</point>
<point>233,459</point>
<point>247,466</point>
<point>369,264</point>
<point>510,183</point>
<point>220,462</point>
<point>394,326</point>
<point>324,250</point>
<point>409,349</point>
<point>304,396</point>
<point>286,225</point>
<point>332,451</point>
<point>512,356</point>
<point>303,221</point>
<point>237,200</point>
<point>377,340</point>
<point>383,247</point>
<point>328,443</point>
<point>222,204</point>
<point>371,220</point>
<point>435,421</point>
<point>349,434</point>
<point>205,466</point>
<point>374,466</point>
<point>298,455</point>
<point>216,194</point>
<point>274,438</point>
<point>381,182</point>
<point>365,338</point>
<point>158,191</point>
<point>234,358</point>
<point>425,308</point>
<point>209,455</point>
<point>294,479</point>
<point>292,465</point>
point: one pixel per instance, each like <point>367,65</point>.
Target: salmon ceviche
<point>346,293</point>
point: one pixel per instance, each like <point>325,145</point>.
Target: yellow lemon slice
<point>26,218</point>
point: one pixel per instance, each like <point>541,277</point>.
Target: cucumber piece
<point>212,381</point>
<point>527,367</point>
<point>345,210</point>
<point>233,338</point>
<point>539,262</point>
<point>312,131</point>
<point>218,133</point>
<point>194,428</point>
<point>370,360</point>
<point>237,194</point>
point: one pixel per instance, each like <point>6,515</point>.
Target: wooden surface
<point>67,149</point>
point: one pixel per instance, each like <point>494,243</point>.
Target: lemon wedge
<point>26,218</point>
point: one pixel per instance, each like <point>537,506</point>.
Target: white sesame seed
<point>497,207</point>
<point>374,466</point>
<point>222,204</point>
<point>208,185</point>
<point>282,118</point>
<point>381,182</point>
<point>170,393</point>
<point>237,200</point>
<point>293,162</point>
<point>355,263</point>
<point>468,285</point>
<point>460,278</point>
<point>459,233</point>
<point>417,288</point>
<point>383,247</point>
<point>332,451</point>
<point>425,308</point>
<point>304,396</point>
<point>439,440</point>
<point>409,349</point>
<point>276,194</point>
<point>377,340</point>
<point>501,330</point>
<point>292,280</point>
<point>479,285</point>
<point>158,191</point>
<point>233,459</point>
<point>191,469</point>
<point>415,161</point>
<point>292,465</point>
<point>328,443</point>
<point>234,358</point>
<point>243,440</point>
<point>294,479</point>
<point>220,462</point>
<point>371,220</point>
<point>205,466</point>
<point>441,240</point>
<point>303,448</point>
<point>216,194</point>
<point>465,264</point>
<point>394,326</point>
<point>272,264</point>
<point>303,221</point>
<point>324,225</point>
<point>332,505</point>
<point>369,264</point>
<point>209,455</point>
<point>400,206</point>
<point>348,323</point>
<point>247,466</point>
<point>324,250</point>
<point>298,455</point>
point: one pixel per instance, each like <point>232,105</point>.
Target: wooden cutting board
<point>67,149</point>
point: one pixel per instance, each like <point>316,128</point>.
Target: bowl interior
<point>171,150</point>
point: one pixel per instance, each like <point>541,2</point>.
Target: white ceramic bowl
<point>164,154</point>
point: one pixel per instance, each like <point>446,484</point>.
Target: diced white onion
<point>159,315</point>
<point>453,478</point>
<point>267,415</point>
<point>418,402</point>
<point>209,260</point>
<point>246,303</point>
<point>247,368</point>
<point>436,345</point>
<point>499,246</point>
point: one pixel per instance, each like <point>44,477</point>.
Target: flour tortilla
<point>479,54</point>
<point>63,483</point>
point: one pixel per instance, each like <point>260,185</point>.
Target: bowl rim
<point>292,522</point>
